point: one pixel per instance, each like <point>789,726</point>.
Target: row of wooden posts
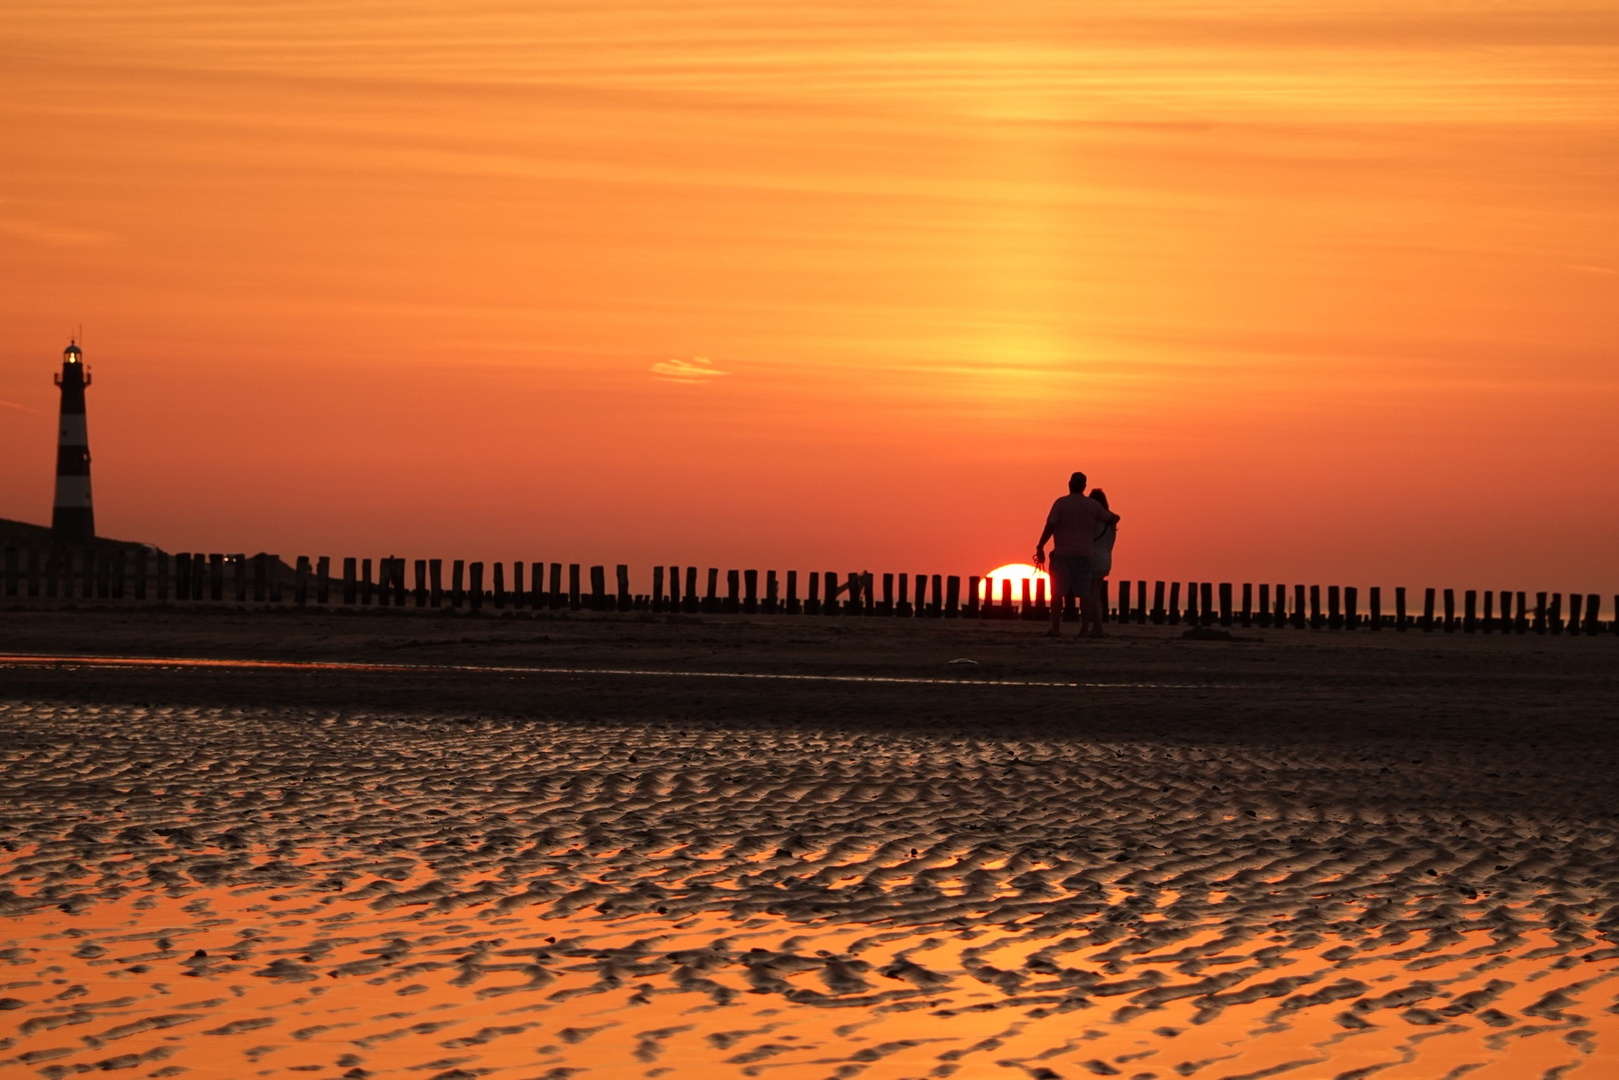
<point>149,575</point>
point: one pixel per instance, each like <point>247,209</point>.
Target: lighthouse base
<point>73,525</point>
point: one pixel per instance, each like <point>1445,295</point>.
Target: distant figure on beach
<point>1073,524</point>
<point>1101,563</point>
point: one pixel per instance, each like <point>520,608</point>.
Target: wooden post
<point>518,592</point>
<point>1375,600</point>
<point>1335,616</point>
<point>936,605</point>
<point>921,582</point>
<point>458,579</point>
<point>1487,623</point>
<point>1450,611</point>
<point>160,576</point>
<point>536,589</point>
<point>1264,603</point>
<point>733,592</point>
<point>1470,611</point>
<point>1575,601</point>
<point>1554,614</point>
<point>1593,604</point>
<point>1506,611</point>
<point>300,585</point>
<point>1247,617</point>
<point>1174,611</point>
<point>750,595</point>
<point>1123,613</point>
<point>1351,605</point>
<point>772,593</point>
<point>711,595</point>
<point>1521,622</point>
<point>1317,619</point>
<point>1225,603</point>
<point>1427,622</point>
<point>500,584</point>
<point>475,586</point>
<point>1301,611</point>
<point>812,602</point>
<point>1159,613</point>
<point>555,600</point>
<point>598,588</point>
<point>904,606</point>
<point>691,602</point>
<point>1540,613</point>
<point>350,581</point>
<point>626,599</point>
<point>657,589</point>
<point>793,606</point>
<point>435,582</point>
<point>365,582</point>
<point>952,597</point>
<point>420,592</point>
<point>323,579</point>
<point>974,606</point>
<point>216,576</point>
<point>575,590</point>
<point>887,605</point>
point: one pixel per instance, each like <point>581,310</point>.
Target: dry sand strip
<point>93,661</point>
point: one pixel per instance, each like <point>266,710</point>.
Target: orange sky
<point>1317,291</point>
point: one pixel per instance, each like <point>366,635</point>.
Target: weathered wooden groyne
<point>151,576</point>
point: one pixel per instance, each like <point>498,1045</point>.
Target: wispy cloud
<point>24,408</point>
<point>698,369</point>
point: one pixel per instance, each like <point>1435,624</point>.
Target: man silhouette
<point>1073,523</point>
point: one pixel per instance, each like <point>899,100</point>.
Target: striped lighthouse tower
<point>72,520</point>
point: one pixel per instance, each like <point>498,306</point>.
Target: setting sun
<point>989,589</point>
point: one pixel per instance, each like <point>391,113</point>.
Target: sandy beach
<point>801,847</point>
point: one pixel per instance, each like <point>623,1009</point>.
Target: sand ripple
<point>249,891</point>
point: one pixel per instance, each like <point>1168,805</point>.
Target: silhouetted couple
<point>1083,529</point>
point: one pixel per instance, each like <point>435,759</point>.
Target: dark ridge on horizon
<point>23,533</point>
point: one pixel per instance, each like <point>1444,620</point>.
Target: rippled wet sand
<point>245,889</point>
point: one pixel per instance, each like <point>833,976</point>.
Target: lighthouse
<point>72,520</point>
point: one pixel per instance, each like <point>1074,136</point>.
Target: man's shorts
<point>1070,575</point>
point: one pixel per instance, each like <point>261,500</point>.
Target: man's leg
<point>1059,590</point>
